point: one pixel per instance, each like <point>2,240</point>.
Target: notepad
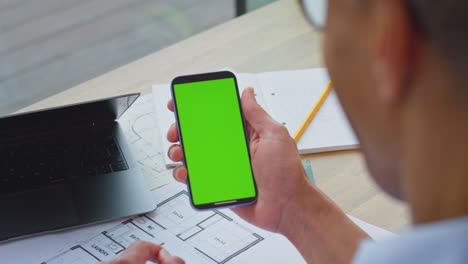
<point>288,96</point>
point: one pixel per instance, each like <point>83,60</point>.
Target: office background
<point>48,46</point>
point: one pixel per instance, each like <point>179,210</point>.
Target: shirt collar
<point>439,242</point>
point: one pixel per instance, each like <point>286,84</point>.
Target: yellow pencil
<point>312,113</point>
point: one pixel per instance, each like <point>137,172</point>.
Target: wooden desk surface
<point>275,37</point>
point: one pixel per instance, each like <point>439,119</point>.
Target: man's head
<point>395,65</point>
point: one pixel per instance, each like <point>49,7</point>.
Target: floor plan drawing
<point>203,236</point>
<point>139,125</point>
<point>211,233</point>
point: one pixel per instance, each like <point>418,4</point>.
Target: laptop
<point>66,167</point>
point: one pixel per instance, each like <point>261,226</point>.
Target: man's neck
<point>435,159</point>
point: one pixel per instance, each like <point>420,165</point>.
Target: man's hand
<point>287,202</point>
<point>141,252</point>
<point>276,164</point>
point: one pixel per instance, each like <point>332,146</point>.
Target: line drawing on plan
<point>211,233</point>
<point>212,236</point>
<point>140,127</point>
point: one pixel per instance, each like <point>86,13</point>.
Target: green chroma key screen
<point>214,142</point>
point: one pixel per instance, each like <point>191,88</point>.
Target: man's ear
<point>394,42</point>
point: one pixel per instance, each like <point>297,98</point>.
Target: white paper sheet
<point>217,236</point>
<point>140,127</point>
<point>288,96</point>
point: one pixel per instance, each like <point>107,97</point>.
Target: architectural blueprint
<point>215,236</point>
<point>139,125</point>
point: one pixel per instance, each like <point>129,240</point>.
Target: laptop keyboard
<point>35,163</point>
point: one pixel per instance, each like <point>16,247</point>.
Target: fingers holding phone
<point>175,152</point>
<point>275,161</point>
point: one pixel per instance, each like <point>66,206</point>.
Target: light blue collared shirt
<point>440,242</point>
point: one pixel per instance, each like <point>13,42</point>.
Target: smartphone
<point>213,137</point>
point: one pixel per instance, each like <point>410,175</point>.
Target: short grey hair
<point>445,24</point>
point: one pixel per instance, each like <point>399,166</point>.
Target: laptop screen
<point>104,110</point>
